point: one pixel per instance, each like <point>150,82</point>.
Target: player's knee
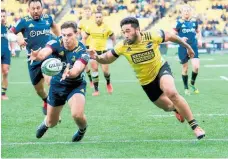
<point>172,94</point>
<point>5,71</point>
<point>77,116</point>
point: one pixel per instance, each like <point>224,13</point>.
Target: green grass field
<point>123,125</point>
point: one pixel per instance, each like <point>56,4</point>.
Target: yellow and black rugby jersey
<point>99,36</point>
<point>144,57</point>
<point>83,26</point>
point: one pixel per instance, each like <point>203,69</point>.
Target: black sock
<point>193,123</point>
<point>185,80</point>
<point>107,77</point>
<point>96,82</point>
<point>45,100</point>
<point>89,75</point>
<point>83,130</point>
<point>194,75</point>
<point>4,91</point>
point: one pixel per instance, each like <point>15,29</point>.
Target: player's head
<point>130,29</point>
<point>186,12</point>
<point>35,9</point>
<point>87,11</point>
<point>99,18</point>
<point>69,34</point>
<point>3,16</point>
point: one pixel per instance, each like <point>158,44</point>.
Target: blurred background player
<point>5,52</point>
<point>82,26</point>
<point>69,85</point>
<point>99,34</point>
<point>141,49</point>
<point>187,28</point>
<point>36,30</point>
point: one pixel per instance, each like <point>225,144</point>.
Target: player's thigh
<point>164,103</point>
<point>105,68</point>
<point>94,65</point>
<point>183,55</point>
<point>35,74</point>
<point>5,69</point>
<point>53,113</point>
<point>76,100</point>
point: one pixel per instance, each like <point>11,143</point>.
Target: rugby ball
<point>51,67</point>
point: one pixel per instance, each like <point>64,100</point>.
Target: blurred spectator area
<point>114,11</point>
<point>212,16</point>
<point>19,8</point>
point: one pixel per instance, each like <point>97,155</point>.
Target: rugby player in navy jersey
<point>187,28</point>
<point>70,84</point>
<point>5,53</point>
<point>36,32</point>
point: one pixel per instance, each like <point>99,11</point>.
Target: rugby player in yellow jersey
<point>82,26</point>
<point>152,71</point>
<point>99,34</point>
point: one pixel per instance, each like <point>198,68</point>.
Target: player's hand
<point>200,44</point>
<point>191,53</point>
<point>66,72</point>
<point>185,39</point>
<point>92,53</point>
<point>33,55</point>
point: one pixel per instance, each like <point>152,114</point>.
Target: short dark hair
<point>3,11</point>
<point>69,24</point>
<point>130,20</point>
<point>30,1</point>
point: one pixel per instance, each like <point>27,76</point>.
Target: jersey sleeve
<point>110,32</point>
<point>84,57</point>
<point>158,36</point>
<point>54,45</point>
<point>177,26</point>
<point>80,25</point>
<point>51,21</point>
<point>118,49</point>
<point>19,26</point>
<point>87,30</point>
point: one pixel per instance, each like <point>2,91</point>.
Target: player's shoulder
<point>193,19</point>
<point>180,20</point>
<point>46,16</point>
<point>81,45</point>
<point>26,18</point>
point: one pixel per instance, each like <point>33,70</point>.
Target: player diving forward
<point>154,74</point>
<point>69,85</point>
<point>36,30</point>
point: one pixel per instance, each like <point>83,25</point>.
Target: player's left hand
<point>33,55</point>
<point>92,53</point>
<point>13,54</point>
<point>191,53</point>
<point>66,72</point>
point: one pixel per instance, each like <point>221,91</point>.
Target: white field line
<point>113,141</point>
<point>224,78</point>
<point>132,81</point>
<point>213,66</point>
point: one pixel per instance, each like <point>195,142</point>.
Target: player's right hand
<point>92,53</point>
<point>33,55</point>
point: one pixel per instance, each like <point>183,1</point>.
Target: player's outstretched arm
<point>40,54</point>
<point>105,58</point>
<point>176,39</point>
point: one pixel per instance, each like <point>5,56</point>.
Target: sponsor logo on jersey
<point>183,26</point>
<point>47,23</point>
<point>143,56</point>
<point>34,33</point>
<point>192,30</point>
